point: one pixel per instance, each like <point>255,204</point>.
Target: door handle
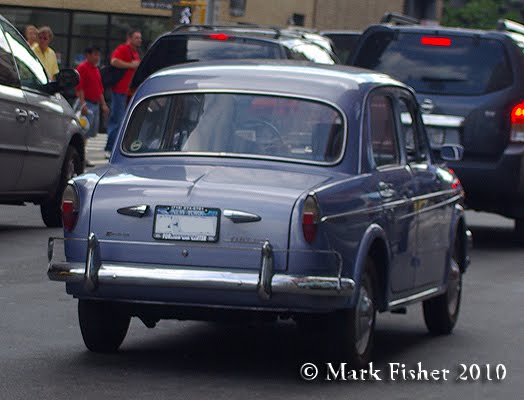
<point>33,116</point>
<point>21,115</point>
<point>386,190</point>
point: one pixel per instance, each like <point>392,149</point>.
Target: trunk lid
<point>268,194</point>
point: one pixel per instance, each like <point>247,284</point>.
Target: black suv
<point>189,43</point>
<point>470,87</point>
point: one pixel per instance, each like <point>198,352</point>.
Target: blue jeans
<point>93,116</point>
<point>116,115</point>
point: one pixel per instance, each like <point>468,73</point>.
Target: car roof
<point>269,33</point>
<point>295,78</point>
<point>438,30</point>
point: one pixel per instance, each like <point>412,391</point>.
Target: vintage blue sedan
<point>267,189</point>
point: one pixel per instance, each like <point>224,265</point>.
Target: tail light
<point>517,123</point>
<point>435,41</point>
<point>310,218</point>
<point>219,36</point>
<point>70,208</point>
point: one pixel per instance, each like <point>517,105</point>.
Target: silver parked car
<point>41,143</point>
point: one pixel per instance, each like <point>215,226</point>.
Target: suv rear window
<point>443,64</point>
<point>172,50</point>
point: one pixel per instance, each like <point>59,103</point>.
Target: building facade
<point>79,23</point>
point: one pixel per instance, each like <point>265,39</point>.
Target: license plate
<point>186,223</point>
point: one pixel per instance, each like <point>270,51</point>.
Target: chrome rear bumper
<point>264,281</point>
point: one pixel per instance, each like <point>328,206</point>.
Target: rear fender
<point>373,236</point>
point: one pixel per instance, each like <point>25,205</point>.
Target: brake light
<point>219,36</point>
<point>70,208</point>
<point>435,41</point>
<point>310,218</point>
<point>517,123</point>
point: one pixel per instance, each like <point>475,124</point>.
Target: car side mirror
<point>67,78</point>
<point>451,152</point>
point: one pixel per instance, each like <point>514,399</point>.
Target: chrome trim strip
<point>239,217</point>
<point>447,121</point>
<point>397,203</point>
<point>123,128</point>
<point>95,273</point>
<point>412,298</point>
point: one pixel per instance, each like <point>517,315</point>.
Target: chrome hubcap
<point>454,287</point>
<point>365,314</point>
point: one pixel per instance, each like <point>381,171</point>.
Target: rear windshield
<point>172,50</point>
<point>440,64</point>
<point>228,124</point>
<point>344,43</point>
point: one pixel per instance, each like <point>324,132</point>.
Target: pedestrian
<point>125,57</point>
<point>31,34</point>
<point>90,91</point>
<point>46,54</point>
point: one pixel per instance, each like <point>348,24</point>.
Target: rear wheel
<point>441,313</point>
<point>103,325</point>
<point>51,208</point>
<point>355,328</point>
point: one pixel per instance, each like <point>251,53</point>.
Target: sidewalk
<point>95,149</point>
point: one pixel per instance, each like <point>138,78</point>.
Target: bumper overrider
<point>95,273</point>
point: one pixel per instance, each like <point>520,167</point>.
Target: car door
<point>45,122</point>
<point>13,117</point>
<point>390,183</point>
<point>433,211</point>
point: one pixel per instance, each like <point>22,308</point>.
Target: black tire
<point>441,312</point>
<point>103,325</point>
<point>51,207</point>
<point>355,328</point>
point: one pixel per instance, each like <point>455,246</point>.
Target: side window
<point>8,74</point>
<point>32,73</point>
<point>382,131</point>
<point>412,134</point>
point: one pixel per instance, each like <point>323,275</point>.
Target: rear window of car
<point>441,64</point>
<point>344,43</point>
<point>230,124</point>
<point>172,50</point>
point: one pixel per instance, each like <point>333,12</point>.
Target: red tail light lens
<point>517,123</point>
<point>435,41</point>
<point>219,36</point>
<point>310,219</point>
<point>70,208</point>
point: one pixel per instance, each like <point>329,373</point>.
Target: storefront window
<point>90,24</point>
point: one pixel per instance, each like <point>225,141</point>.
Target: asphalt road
<point>42,355</point>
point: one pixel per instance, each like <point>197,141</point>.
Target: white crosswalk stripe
<point>97,143</point>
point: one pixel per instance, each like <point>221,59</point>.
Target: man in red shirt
<point>90,90</point>
<point>125,57</point>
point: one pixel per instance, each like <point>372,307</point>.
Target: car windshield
<point>229,124</point>
<point>443,64</point>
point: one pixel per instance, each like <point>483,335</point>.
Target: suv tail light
<point>70,208</point>
<point>310,218</point>
<point>435,41</point>
<point>219,36</point>
<point>517,124</point>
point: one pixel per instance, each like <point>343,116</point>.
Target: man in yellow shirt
<point>46,54</point>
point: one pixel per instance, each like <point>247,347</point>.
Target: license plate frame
<point>172,222</point>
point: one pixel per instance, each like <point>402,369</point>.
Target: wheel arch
<point>461,237</point>
<point>374,244</point>
<point>77,141</point>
